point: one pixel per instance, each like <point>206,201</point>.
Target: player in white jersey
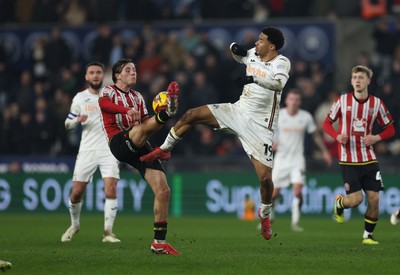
<point>289,161</point>
<point>93,153</point>
<point>252,118</point>
<point>357,112</point>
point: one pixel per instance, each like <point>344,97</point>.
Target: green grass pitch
<point>209,245</point>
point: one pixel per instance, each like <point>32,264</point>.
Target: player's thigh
<point>85,166</point>
<point>351,176</point>
<point>108,164</point>
<point>372,179</point>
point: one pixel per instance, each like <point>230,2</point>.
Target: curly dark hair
<point>275,36</point>
<point>119,66</point>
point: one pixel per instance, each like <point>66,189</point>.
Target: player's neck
<point>93,91</point>
<point>123,87</point>
<point>292,112</point>
<point>361,95</point>
<point>269,56</point>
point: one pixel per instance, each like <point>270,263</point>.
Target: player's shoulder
<point>107,90</point>
<point>305,113</point>
<point>82,94</point>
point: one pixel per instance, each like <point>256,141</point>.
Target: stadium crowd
<point>34,101</point>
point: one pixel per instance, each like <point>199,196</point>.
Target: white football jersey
<point>93,136</point>
<point>289,137</point>
<point>258,102</point>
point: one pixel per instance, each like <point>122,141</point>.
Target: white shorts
<point>87,163</point>
<point>283,176</point>
<point>255,138</point>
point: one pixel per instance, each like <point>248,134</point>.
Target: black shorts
<point>365,177</point>
<point>126,151</point>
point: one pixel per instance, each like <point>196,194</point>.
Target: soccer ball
<point>160,102</point>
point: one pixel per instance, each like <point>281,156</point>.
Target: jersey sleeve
<point>335,110</point>
<point>75,110</point>
<point>311,126</point>
<point>384,117</point>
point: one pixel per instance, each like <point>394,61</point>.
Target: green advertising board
<point>191,193</point>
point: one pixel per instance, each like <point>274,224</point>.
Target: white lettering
<point>51,185</point>
<point>32,200</point>
<point>137,193</point>
<point>5,194</point>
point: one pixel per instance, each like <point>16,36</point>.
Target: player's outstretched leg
<point>266,230</point>
<point>4,265</point>
<point>163,248</point>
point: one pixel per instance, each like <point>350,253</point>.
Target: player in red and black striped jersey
<point>357,113</point>
<point>128,127</point>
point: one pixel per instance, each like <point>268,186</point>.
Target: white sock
<point>265,210</point>
<point>366,234</point>
<point>110,212</point>
<point>75,213</point>
<point>295,210</point>
<point>170,141</point>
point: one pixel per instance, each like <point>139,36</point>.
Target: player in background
<point>253,118</point>
<point>357,112</point>
<point>128,127</point>
<point>4,265</point>
<point>395,217</point>
<point>93,154</point>
<point>289,161</point>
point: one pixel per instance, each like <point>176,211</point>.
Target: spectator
<point>57,53</point>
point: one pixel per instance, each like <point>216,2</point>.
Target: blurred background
<point>45,45</point>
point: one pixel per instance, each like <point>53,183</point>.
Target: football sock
<point>75,212</point>
<point>110,212</point>
<point>296,210</point>
<point>265,210</point>
<point>171,140</point>
<point>162,117</point>
<point>160,230</point>
<point>369,225</point>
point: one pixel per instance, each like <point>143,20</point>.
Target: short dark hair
<point>95,63</point>
<point>275,36</point>
<point>119,66</point>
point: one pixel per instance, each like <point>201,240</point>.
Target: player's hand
<point>238,50</point>
<point>243,80</point>
<point>81,118</point>
<point>133,114</point>
<point>371,139</point>
<point>342,138</point>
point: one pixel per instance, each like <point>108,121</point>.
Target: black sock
<point>162,117</point>
<point>370,224</point>
<point>160,230</point>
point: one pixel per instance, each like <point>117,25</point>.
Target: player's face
<point>127,75</point>
<point>293,101</point>
<point>360,81</point>
<point>94,77</point>
<point>263,46</point>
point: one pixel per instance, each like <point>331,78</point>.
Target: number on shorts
<point>268,151</point>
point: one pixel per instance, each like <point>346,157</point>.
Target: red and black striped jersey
<point>114,104</point>
<point>356,119</point>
